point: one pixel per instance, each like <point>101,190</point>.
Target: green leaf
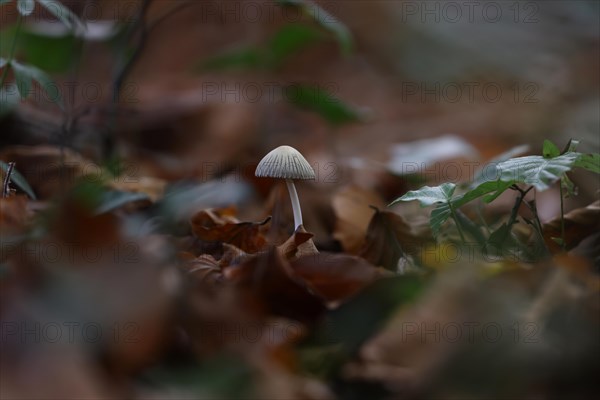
<point>428,196</point>
<point>246,58</point>
<point>591,162</point>
<point>494,187</point>
<point>114,199</point>
<point>3,62</point>
<point>325,20</point>
<point>25,7</point>
<point>25,74</point>
<point>18,180</point>
<point>550,150</point>
<point>568,186</point>
<point>438,217</point>
<point>537,170</point>
<point>62,13</point>
<point>489,172</point>
<point>326,105</point>
<point>50,53</point>
<point>289,40</point>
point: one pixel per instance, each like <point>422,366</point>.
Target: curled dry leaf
<point>579,224</point>
<point>351,207</point>
<point>298,245</point>
<point>390,238</point>
<point>336,276</point>
<point>233,255</point>
<point>220,226</point>
<point>270,278</point>
<point>204,269</point>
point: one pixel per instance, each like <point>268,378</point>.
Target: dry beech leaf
<point>337,276</point>
<point>219,226</point>
<point>298,245</point>
<point>271,279</point>
<point>351,207</point>
<point>233,255</point>
<point>389,238</point>
<point>204,269</point>
<point>579,224</point>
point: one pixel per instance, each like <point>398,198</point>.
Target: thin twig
<point>6,184</point>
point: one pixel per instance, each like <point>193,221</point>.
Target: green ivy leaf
<point>438,217</point>
<point>489,172</point>
<point>537,170</point>
<point>490,190</point>
<point>326,105</point>
<point>25,7</point>
<point>289,40</point>
<point>25,74</point>
<point>18,180</point>
<point>550,150</point>
<point>591,162</point>
<point>428,196</point>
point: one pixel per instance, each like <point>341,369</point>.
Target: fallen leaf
<point>219,226</point>
<point>351,207</point>
<point>298,245</point>
<point>579,224</point>
<point>390,238</point>
<point>272,280</point>
<point>204,269</point>
<point>335,276</point>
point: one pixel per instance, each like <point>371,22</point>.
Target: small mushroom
<point>287,163</point>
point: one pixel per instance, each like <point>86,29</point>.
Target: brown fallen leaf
<point>390,238</point>
<point>271,279</point>
<point>351,207</point>
<point>233,255</point>
<point>204,269</point>
<point>298,245</point>
<point>220,226</point>
<point>579,224</point>
<point>337,276</point>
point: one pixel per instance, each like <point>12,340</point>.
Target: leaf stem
<point>563,245</point>
<point>13,49</point>
<point>456,221</point>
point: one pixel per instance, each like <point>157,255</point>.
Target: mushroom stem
<point>295,203</point>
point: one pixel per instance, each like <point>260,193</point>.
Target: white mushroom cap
<point>285,162</point>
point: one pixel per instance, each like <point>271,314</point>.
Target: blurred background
<point>181,99</point>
